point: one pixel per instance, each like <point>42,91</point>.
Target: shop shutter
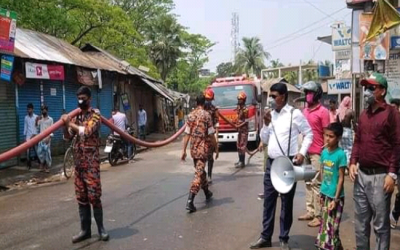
<point>8,128</point>
<point>106,105</point>
<point>53,98</point>
<point>29,92</point>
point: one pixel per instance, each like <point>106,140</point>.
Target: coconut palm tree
<point>250,58</point>
<point>165,44</point>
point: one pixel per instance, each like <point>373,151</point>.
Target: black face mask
<point>83,104</point>
<point>44,113</point>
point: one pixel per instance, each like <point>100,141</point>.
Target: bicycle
<point>69,162</point>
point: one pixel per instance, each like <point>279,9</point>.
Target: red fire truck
<point>226,91</point>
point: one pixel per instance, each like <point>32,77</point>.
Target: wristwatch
<point>393,175</point>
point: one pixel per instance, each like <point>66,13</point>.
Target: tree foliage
<point>225,69</point>
<point>250,58</point>
<point>142,32</point>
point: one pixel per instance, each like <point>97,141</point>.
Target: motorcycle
<point>119,149</point>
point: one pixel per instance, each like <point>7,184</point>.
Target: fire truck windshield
<point>226,96</point>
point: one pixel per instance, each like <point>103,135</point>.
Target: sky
<point>288,29</point>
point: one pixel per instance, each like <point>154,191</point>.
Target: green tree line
<point>142,32</point>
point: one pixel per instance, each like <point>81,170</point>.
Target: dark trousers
<point>270,199</point>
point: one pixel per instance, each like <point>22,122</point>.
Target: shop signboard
<point>342,86</point>
<point>8,29</point>
<point>6,67</point>
<point>393,76</point>
<point>341,37</point>
<point>44,71</point>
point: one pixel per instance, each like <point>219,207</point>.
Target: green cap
<point>375,79</point>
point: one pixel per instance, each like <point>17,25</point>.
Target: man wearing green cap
<point>374,164</point>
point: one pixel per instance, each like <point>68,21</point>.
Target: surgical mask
<point>208,103</point>
<point>44,113</point>
<point>310,97</point>
<point>369,98</point>
<point>272,103</point>
<point>83,104</point>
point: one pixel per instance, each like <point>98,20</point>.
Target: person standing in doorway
<point>30,130</point>
<point>44,149</point>
<point>374,164</point>
<point>199,129</point>
<point>142,118</point>
<point>86,126</point>
<point>332,111</point>
<point>318,118</point>
<point>346,118</point>
<point>243,127</point>
<point>282,127</point>
<point>213,111</point>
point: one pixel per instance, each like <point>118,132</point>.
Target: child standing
<point>334,164</point>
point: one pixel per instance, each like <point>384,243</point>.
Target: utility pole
<point>234,35</point>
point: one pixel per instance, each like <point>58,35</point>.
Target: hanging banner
<point>339,86</point>
<point>44,71</point>
<point>87,77</point>
<point>378,47</point>
<point>393,76</point>
<point>8,29</point>
<point>7,63</point>
<point>341,37</point>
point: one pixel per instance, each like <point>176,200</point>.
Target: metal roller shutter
<point>71,102</point>
<point>53,98</point>
<point>29,92</point>
<point>106,105</point>
<point>8,128</point>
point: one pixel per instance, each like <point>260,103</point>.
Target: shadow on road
<point>217,202</point>
<point>305,242</point>
<point>122,232</point>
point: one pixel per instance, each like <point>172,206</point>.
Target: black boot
<point>86,221</point>
<point>241,161</point>
<point>98,216</point>
<point>189,205</point>
<point>238,163</point>
<point>209,172</point>
<point>208,194</point>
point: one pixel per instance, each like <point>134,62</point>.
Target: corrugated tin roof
<point>35,45</point>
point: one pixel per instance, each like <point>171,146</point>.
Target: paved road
<point>144,205</point>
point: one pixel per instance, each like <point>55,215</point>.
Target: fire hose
<point>251,153</point>
<point>35,140</point>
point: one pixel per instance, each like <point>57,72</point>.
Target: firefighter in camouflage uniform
<point>86,127</point>
<point>243,128</point>
<point>213,111</point>
<point>199,129</point>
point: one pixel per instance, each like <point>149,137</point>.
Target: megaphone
<point>284,174</point>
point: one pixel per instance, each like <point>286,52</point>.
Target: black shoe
<point>189,205</point>
<point>208,194</point>
<point>261,243</point>
<point>284,245</point>
<point>86,222</point>
<point>98,216</point>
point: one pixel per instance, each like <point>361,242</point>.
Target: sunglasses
<point>370,87</point>
<point>273,96</point>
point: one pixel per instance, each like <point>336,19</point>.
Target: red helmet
<point>209,94</point>
<point>242,96</point>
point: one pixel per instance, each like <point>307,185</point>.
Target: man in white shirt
<point>282,123</point>
<point>142,118</point>
<point>30,129</point>
<point>119,119</point>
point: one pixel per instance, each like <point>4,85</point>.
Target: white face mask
<point>369,98</point>
<point>271,103</point>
